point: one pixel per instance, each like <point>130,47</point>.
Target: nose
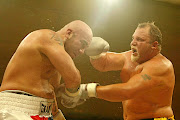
<point>133,43</point>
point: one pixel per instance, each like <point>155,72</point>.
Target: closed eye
<point>83,43</point>
<point>140,39</point>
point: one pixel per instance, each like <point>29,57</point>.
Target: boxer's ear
<point>155,45</point>
<point>69,33</point>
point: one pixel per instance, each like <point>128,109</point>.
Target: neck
<point>60,34</point>
<point>150,56</point>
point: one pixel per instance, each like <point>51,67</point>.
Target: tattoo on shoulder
<point>146,77</point>
<point>57,38</point>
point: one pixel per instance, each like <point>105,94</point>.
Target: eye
<point>140,39</point>
<point>83,43</point>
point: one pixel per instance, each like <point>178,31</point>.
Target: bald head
<point>79,27</point>
<point>77,36</point>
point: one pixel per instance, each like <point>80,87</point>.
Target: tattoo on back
<point>57,38</point>
<point>146,77</point>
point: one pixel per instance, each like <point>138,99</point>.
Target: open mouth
<point>134,51</point>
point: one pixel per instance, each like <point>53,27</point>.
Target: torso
<point>156,102</point>
<point>29,70</point>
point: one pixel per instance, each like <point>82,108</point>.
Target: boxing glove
<point>88,90</point>
<point>71,100</point>
<point>68,99</point>
<point>97,47</point>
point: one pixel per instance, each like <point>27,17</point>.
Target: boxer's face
<point>76,45</point>
<point>141,45</point>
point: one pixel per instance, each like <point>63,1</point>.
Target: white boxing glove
<point>88,90</point>
<point>69,99</point>
<point>97,47</point>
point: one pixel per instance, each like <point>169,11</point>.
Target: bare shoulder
<point>161,62</point>
<point>159,65</point>
<point>42,34</point>
<point>38,36</point>
<point>158,71</point>
<point>44,37</point>
<point>43,31</point>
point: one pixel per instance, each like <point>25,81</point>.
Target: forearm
<point>73,81</point>
<point>97,52</point>
<point>110,61</point>
<point>99,63</point>
<point>112,93</point>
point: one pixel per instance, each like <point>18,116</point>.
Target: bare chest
<point>129,70</point>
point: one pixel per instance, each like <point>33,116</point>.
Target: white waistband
<point>30,105</point>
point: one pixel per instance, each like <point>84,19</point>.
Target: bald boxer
<point>148,76</point>
<point>33,75</point>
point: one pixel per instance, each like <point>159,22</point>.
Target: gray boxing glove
<point>68,99</point>
<point>71,100</point>
<point>97,47</point>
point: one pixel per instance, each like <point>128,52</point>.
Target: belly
<point>137,106</point>
<point>38,87</point>
<point>138,109</point>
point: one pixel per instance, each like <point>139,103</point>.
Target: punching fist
<point>97,46</point>
<point>68,99</point>
<point>71,100</point>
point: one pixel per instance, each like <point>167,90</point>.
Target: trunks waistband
<point>16,100</point>
<point>162,118</point>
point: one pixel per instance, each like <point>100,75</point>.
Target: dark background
<point>113,20</point>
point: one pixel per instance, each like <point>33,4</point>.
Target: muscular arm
<point>137,85</point>
<point>109,62</point>
<point>53,48</point>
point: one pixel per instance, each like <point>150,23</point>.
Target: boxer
<point>147,76</point>
<point>32,77</point>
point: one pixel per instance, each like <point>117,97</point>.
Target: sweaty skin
<point>146,91</point>
<point>44,57</point>
<point>147,85</point>
<point>31,70</point>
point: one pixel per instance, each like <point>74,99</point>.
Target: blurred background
<point>113,20</point>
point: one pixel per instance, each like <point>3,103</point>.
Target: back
<point>30,70</point>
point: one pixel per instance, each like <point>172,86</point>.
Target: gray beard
<point>134,58</point>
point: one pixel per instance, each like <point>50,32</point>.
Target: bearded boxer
<point>34,72</point>
<point>148,76</point>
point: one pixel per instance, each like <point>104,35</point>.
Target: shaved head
<point>79,27</point>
